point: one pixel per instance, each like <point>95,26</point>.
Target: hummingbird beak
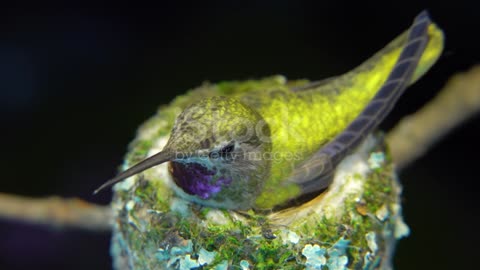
<point>157,159</point>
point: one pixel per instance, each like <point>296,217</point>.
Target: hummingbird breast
<point>196,179</point>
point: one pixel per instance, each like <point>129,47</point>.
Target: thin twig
<point>456,102</point>
<point>55,211</point>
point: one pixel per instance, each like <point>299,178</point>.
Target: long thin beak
<point>154,160</point>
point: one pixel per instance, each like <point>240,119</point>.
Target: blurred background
<point>75,83</point>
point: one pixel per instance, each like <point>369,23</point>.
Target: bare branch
<point>456,102</point>
<point>55,211</point>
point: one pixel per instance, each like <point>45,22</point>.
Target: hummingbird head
<point>224,141</point>
<point>215,154</point>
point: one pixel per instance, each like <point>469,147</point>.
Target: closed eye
<point>228,148</point>
<point>224,152</point>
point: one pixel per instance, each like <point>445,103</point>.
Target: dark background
<point>75,83</point>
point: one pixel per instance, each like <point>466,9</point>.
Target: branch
<point>56,212</point>
<point>414,135</point>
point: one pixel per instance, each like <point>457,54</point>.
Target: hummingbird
<point>260,148</point>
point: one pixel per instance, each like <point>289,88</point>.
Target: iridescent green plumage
<point>300,129</point>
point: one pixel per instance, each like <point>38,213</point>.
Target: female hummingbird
<point>259,148</point>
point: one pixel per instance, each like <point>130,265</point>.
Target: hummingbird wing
<point>316,172</point>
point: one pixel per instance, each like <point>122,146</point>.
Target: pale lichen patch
<point>401,228</point>
<point>222,265</point>
<point>244,265</point>
<point>129,206</point>
<point>206,257</point>
<point>315,256</point>
<point>289,237</point>
<point>186,263</point>
<point>333,258</point>
<point>376,160</point>
<point>180,206</point>
<point>216,216</point>
<point>382,213</point>
<point>337,262</point>
<point>371,238</point>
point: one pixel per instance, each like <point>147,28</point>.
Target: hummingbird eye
<point>224,152</point>
<point>228,148</point>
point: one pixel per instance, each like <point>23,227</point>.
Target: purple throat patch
<point>196,179</point>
